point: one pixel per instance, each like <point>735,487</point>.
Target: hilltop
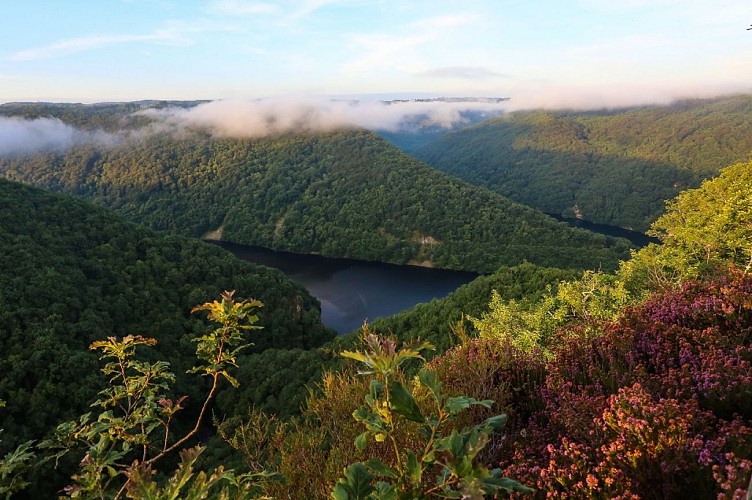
<point>612,167</point>
<point>345,193</point>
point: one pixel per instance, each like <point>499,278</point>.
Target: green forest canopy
<point>85,274</point>
<point>342,194</point>
<point>614,167</point>
<point>72,273</point>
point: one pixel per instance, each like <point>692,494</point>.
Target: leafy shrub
<point>134,428</point>
<point>539,325</point>
<point>658,407</point>
<point>443,461</point>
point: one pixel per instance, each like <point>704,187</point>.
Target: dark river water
<point>351,291</point>
<point>637,238</point>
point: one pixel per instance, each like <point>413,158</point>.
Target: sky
<point>550,53</point>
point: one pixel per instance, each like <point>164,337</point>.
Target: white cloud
<point>401,48</point>
<point>308,7</point>
<point>557,95</point>
<point>258,118</point>
<point>287,12</point>
<point>439,23</point>
<point>19,136</point>
<point>73,45</point>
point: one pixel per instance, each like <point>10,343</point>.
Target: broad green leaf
<point>357,356</point>
<point>497,484</point>
<point>455,405</point>
<point>495,423</point>
<point>414,469</point>
<point>380,468</point>
<point>474,442</point>
<point>404,404</point>
<point>385,491</point>
<point>376,389</point>
<point>371,420</point>
<point>464,466</point>
<point>428,379</point>
<point>185,470</point>
<point>361,441</point>
<point>454,444</point>
<point>356,485</point>
<point>232,380</point>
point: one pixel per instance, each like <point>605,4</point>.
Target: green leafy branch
<point>390,405</point>
<point>136,414</point>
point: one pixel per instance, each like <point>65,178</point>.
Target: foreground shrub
<point>134,427</point>
<point>443,461</point>
<point>658,407</point>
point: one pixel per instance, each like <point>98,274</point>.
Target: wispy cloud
<point>287,12</point>
<point>617,47</point>
<point>441,22</point>
<point>308,7</point>
<point>399,47</point>
<point>73,45</point>
<point>382,50</point>
<point>20,136</point>
<point>172,33</point>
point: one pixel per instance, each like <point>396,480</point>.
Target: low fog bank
<point>22,136</point>
<point>260,118</point>
<point>244,118</point>
<point>613,96</point>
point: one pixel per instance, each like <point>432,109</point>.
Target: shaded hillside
<point>340,194</point>
<point>610,167</point>
<point>72,273</point>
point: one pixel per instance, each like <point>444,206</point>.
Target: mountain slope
<point>72,273</point>
<point>345,193</point>
<point>610,167</point>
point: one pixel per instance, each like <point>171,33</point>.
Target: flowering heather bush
<point>660,406</point>
<point>485,369</point>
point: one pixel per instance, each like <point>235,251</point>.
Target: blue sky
<point>549,52</point>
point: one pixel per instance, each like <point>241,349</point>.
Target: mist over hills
<point>612,167</point>
<point>346,193</point>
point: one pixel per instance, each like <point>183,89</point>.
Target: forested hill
<point>610,167</point>
<point>343,194</point>
<point>106,116</point>
<point>72,273</point>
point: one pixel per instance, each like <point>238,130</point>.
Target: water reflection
<point>351,291</point>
